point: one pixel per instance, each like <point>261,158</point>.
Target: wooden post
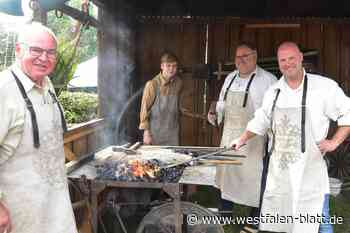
<point>39,14</point>
<point>116,64</point>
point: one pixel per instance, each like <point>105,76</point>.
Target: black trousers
<point>227,206</point>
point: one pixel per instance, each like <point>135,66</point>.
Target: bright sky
<point>5,18</point>
<point>10,20</point>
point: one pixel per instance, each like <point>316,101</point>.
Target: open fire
<point>139,170</point>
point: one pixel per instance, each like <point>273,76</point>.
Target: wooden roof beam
<point>79,15</point>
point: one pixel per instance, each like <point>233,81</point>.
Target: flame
<point>141,169</point>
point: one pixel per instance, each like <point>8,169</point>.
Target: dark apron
<point>164,119</point>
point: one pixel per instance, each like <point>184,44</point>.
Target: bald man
<point>296,112</point>
<point>33,183</point>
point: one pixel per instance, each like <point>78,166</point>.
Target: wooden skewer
<point>182,147</point>
<point>226,157</point>
<point>221,162</point>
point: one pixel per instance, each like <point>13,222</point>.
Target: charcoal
<point>149,171</point>
<point>171,175</point>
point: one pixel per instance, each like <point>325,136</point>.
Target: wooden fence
<point>83,139</point>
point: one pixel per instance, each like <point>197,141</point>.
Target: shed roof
<point>246,8</point>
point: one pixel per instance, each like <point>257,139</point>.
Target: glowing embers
<point>138,170</point>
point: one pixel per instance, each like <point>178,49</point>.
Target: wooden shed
<point>132,35</point>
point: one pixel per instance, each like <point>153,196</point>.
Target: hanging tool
<point>127,149</point>
<point>220,162</point>
<point>211,154</point>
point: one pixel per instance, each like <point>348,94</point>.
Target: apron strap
<point>303,115</point>
<point>278,91</point>
<point>63,120</point>
<point>247,90</point>
<point>303,112</point>
<point>157,95</point>
<point>229,85</point>
<point>30,108</point>
<point>266,159</point>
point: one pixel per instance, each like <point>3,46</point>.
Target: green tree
<point>67,61</point>
<point>65,25</point>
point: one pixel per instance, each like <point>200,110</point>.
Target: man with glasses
<point>33,183</point>
<point>240,96</point>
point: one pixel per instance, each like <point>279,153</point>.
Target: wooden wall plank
<point>80,146</point>
<point>331,50</point>
<point>218,49</point>
<point>93,141</point>
<point>263,43</point>
<point>295,35</point>
<point>235,31</point>
<point>187,41</point>
<point>314,41</point>
<point>249,35</point>
<point>223,38</point>
<point>278,36</point>
<point>344,65</point>
<point>145,52</point>
<point>193,53</point>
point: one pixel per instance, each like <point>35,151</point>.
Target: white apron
<point>240,183</point>
<point>34,180</point>
<point>296,182</point>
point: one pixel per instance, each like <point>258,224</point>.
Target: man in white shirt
<point>32,172</point>
<point>240,96</point>
<point>296,112</point>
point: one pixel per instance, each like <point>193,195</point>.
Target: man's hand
<point>237,143</point>
<point>147,137</point>
<point>242,140</point>
<point>327,145</point>
<point>212,118</point>
<point>338,138</point>
<point>5,221</point>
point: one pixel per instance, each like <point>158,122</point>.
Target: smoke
<point>117,53</point>
<point>120,128</point>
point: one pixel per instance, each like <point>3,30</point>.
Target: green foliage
<point>88,44</point>
<point>7,48</point>
<point>71,50</point>
<point>339,206</point>
<point>67,62</point>
<point>79,106</point>
<point>64,25</point>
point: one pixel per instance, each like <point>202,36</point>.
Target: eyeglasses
<point>245,56</point>
<point>37,52</point>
